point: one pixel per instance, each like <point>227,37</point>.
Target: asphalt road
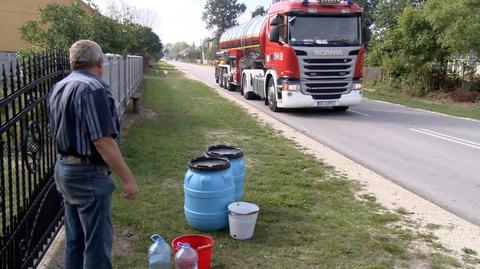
<point>433,155</point>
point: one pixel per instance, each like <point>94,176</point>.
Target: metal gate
<point>31,208</point>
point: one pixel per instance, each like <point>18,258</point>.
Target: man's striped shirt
<point>82,110</point>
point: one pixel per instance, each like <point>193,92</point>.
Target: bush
<point>51,31</point>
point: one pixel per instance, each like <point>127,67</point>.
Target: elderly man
<point>85,127</point>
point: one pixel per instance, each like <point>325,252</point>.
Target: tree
<point>386,12</point>
<point>107,32</point>
<point>259,10</point>
<point>411,52</point>
<point>59,26</point>
<point>56,27</point>
<point>142,40</point>
<point>146,17</point>
<point>222,14</point>
<point>177,49</point>
<point>457,24</point>
<point>120,11</point>
<point>369,6</point>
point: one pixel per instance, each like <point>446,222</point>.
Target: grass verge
<point>455,109</point>
<point>309,215</point>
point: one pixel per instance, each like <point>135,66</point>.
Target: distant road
<point>433,155</point>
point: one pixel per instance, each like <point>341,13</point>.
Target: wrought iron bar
<point>30,97</point>
<point>18,209</point>
<point>25,101</point>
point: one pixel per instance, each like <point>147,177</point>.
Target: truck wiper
<point>340,42</point>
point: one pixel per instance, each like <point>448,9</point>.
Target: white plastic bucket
<point>242,217</point>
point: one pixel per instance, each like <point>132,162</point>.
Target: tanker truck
<point>300,54</point>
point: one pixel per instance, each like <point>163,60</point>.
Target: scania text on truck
<point>300,54</point>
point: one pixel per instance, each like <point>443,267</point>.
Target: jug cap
<point>186,245</point>
<point>230,152</point>
<point>209,163</point>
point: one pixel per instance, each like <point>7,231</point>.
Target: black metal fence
<point>31,208</point>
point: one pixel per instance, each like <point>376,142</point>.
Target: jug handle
<point>155,237</point>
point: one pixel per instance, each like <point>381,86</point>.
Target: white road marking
<point>360,113</point>
<point>448,138</point>
<point>423,110</point>
<point>452,137</point>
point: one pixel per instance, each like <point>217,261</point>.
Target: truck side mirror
<point>366,36</point>
<point>366,31</point>
<point>275,21</point>
<point>367,23</point>
<point>275,34</point>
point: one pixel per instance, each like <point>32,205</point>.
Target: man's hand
<point>130,190</point>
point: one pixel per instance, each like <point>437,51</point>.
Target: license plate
<point>325,103</point>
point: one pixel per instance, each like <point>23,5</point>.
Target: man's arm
<point>110,152</point>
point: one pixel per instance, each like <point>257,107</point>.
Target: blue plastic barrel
<point>237,163</point>
<point>208,189</point>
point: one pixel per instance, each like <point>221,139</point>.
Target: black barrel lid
<point>230,152</point>
<point>209,163</point>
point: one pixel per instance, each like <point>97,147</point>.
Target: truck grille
<point>326,97</point>
<point>327,76</point>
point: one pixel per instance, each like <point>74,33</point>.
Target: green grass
<point>385,94</point>
<point>308,218</point>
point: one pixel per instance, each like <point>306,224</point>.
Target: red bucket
<point>201,243</point>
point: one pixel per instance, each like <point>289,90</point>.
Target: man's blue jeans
<point>87,192</point>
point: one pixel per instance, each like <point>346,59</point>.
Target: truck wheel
<point>231,87</point>
<point>272,96</point>
<point>220,78</point>
<point>242,86</point>
<point>225,80</point>
<point>340,108</point>
<point>246,95</point>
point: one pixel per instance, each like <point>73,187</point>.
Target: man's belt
<point>70,159</point>
<point>73,159</point>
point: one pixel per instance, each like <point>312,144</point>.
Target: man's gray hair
<point>85,54</point>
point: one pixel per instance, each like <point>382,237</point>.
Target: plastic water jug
<point>209,189</point>
<point>159,253</point>
<point>237,164</point>
<point>186,258</point>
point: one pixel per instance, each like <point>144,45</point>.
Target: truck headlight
<point>291,87</point>
<point>357,86</point>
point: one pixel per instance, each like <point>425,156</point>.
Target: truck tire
<point>340,108</point>
<point>246,95</point>
<point>272,96</point>
<point>225,79</point>
<point>242,86</point>
<point>231,87</point>
<point>220,78</point>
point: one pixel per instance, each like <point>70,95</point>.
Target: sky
<point>181,20</point>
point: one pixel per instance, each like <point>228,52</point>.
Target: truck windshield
<point>324,31</point>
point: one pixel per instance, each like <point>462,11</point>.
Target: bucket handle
<point>236,214</point>
<point>204,247</point>
<point>180,244</point>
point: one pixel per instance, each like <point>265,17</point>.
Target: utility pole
<point>203,53</point>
